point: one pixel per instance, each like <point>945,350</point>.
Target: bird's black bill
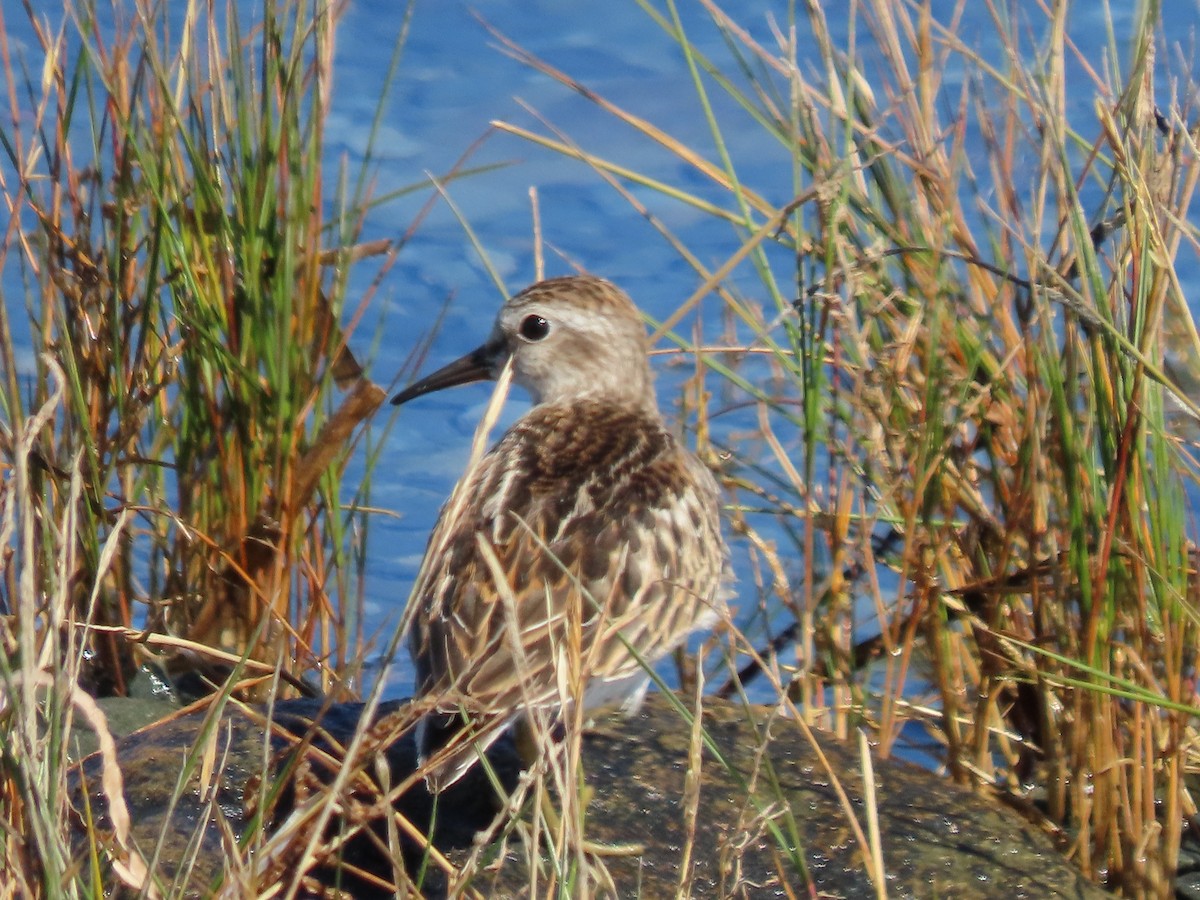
<point>478,365</point>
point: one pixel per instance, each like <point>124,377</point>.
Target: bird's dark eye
<point>534,328</point>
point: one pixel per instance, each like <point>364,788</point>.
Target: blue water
<point>452,81</point>
<point>452,84</point>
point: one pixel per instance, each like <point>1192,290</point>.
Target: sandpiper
<point>583,547</point>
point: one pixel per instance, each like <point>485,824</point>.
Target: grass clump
<point>975,421</point>
<point>172,452</point>
<point>955,306</point>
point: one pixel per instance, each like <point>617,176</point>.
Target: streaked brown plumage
<point>587,531</point>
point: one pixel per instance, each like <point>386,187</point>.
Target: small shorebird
<point>583,547</point>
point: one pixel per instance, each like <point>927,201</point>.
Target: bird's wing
<point>580,528</point>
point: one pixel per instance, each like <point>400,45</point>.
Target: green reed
<point>976,420</point>
<point>185,288</point>
<point>976,347</point>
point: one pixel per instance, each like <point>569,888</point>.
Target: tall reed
<point>973,433</point>
<point>172,448</point>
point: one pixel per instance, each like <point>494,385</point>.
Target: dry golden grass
<point>969,362</point>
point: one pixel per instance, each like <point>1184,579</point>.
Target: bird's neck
<point>587,402</point>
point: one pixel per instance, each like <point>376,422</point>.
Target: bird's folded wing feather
<point>579,528</point>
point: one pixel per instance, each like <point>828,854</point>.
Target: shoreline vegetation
<point>955,315</point>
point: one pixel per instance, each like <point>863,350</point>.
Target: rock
<point>124,716</point>
<point>183,828</point>
<point>937,840</point>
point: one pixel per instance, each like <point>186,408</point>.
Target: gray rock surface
<point>937,840</point>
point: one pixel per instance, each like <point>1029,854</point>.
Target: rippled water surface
<point>452,81</point>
